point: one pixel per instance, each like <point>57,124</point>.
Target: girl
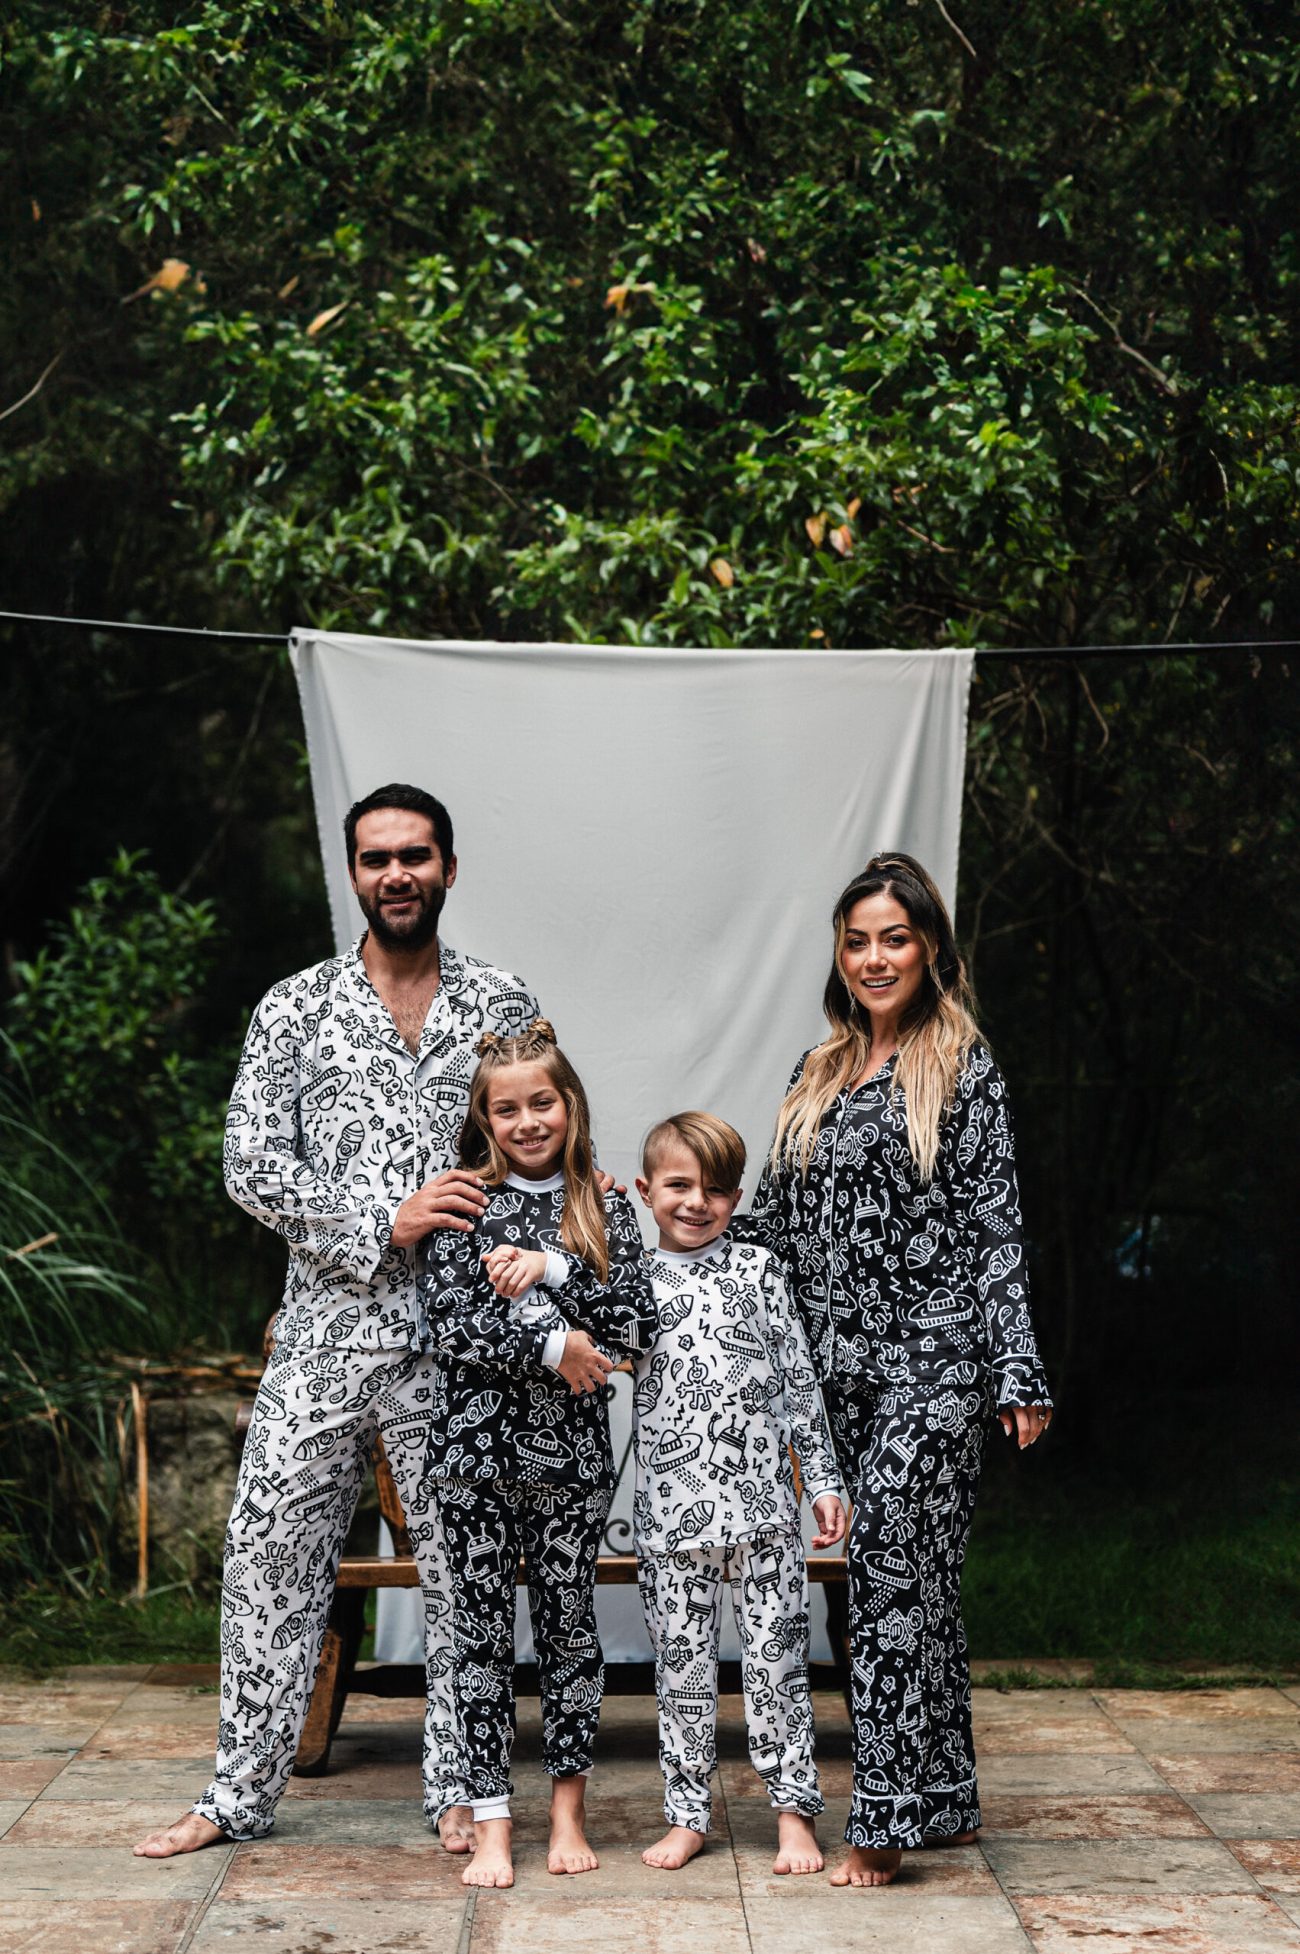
<point>890,1198</point>
<point>516,1315</point>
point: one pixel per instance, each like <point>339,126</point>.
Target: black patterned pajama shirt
<point>518,1464</point>
<point>916,1304</point>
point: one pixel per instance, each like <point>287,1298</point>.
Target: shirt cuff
<point>558,1269</point>
<point>553,1348</point>
<point>832,1489</point>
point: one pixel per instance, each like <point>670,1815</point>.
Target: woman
<point>890,1196</point>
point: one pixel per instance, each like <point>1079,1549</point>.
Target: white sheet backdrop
<point>653,839</point>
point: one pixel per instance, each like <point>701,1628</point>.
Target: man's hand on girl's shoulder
<point>454,1199</point>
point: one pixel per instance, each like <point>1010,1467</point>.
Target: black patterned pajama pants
<point>911,1458</point>
<point>315,1421</point>
<point>557,1529</point>
<point>682,1595</point>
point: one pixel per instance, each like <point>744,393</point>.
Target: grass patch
<point>46,1629</point>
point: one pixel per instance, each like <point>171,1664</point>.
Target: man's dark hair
<point>415,801</point>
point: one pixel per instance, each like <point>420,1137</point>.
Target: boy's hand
<point>830,1520</point>
<point>583,1367</point>
<point>1025,1422</point>
<point>512,1270</point>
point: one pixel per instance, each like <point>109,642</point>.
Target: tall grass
<point>70,1294</point>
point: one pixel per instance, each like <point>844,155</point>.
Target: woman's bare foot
<point>456,1829</point>
<point>868,1865</point>
<point>797,1847</point>
<point>188,1834</point>
<point>674,1849</point>
<point>491,1864</point>
<point>569,1851</point>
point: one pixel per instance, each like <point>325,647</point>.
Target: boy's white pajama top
<point>722,1394</point>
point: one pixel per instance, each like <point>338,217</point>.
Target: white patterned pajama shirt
<point>723,1392</point>
<point>333,1122</point>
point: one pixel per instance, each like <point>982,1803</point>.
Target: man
<point>342,1129</point>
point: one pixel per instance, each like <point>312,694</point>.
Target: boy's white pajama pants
<point>317,1414</point>
<point>682,1594</point>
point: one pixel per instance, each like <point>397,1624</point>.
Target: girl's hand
<point>1025,1422</point>
<point>512,1270</point>
<point>583,1367</point>
<point>830,1520</point>
<point>606,1182</point>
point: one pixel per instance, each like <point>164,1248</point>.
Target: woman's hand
<point>1025,1422</point>
<point>512,1270</point>
<point>583,1367</point>
<point>830,1520</point>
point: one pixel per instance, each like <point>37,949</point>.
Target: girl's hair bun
<point>543,1029</point>
<point>489,1042</point>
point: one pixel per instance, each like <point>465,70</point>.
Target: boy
<point>721,1393</point>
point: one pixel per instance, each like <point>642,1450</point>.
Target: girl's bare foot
<point>456,1829</point>
<point>491,1864</point>
<point>672,1851</point>
<point>797,1847</point>
<point>569,1851</point>
<point>188,1834</point>
<point>868,1865</point>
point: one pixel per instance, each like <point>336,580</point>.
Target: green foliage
<point>507,323</point>
<point>99,1019</point>
<point>69,1291</point>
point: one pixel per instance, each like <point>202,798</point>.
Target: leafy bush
<point>102,1020</point>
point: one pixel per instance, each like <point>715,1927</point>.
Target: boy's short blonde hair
<point>717,1147</point>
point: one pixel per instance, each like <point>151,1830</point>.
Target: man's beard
<point>416,934</point>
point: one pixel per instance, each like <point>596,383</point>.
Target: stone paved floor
<point>1152,1821</point>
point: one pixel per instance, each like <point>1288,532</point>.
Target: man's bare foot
<point>491,1864</point>
<point>797,1847</point>
<point>188,1834</point>
<point>868,1865</point>
<point>958,1838</point>
<point>678,1845</point>
<point>456,1829</point>
<point>569,1851</point>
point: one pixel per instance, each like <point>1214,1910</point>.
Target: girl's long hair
<point>937,1031</point>
<point>583,1227</point>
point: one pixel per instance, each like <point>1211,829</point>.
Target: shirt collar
<point>522,1186</point>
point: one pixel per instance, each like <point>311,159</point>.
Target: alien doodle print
<point>721,1394</point>
<point>520,1465</point>
<point>314,1425</point>
<point>917,1310</point>
<point>333,1123</point>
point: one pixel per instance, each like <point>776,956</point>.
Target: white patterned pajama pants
<point>317,1414</point>
<point>682,1594</point>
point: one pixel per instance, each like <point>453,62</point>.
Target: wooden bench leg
<point>837,1629</point>
<point>338,1659</point>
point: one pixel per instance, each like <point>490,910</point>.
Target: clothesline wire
<point>981,651</point>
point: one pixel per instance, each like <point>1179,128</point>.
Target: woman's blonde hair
<point>583,1227</point>
<point>936,1034</point>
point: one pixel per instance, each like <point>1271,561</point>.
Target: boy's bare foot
<point>188,1834</point>
<point>491,1864</point>
<point>868,1865</point>
<point>456,1829</point>
<point>674,1849</point>
<point>797,1847</point>
<point>569,1851</point>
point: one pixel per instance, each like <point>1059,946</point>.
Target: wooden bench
<point>360,1573</point>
